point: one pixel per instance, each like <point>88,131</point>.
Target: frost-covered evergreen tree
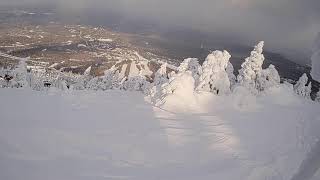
<point>44,80</point>
<point>302,87</point>
<point>62,85</point>
<point>20,78</point>
<point>110,80</point>
<point>251,68</point>
<point>268,78</point>
<point>161,75</point>
<point>82,81</point>
<point>4,74</point>
<point>2,80</point>
<point>73,81</point>
<point>214,77</point>
<point>160,78</point>
<point>318,96</point>
<point>136,83</point>
<point>230,71</point>
<point>181,84</point>
<point>192,65</point>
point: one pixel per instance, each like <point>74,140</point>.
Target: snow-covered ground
<point>76,135</point>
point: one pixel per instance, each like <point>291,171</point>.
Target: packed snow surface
<point>119,135</point>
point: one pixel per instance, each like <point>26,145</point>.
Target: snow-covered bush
<point>302,87</point>
<point>214,77</point>
<point>268,78</point>
<point>251,68</point>
<point>192,65</point>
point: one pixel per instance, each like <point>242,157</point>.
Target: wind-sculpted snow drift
<point>199,122</point>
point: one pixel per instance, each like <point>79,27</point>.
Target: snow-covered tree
<point>5,75</point>
<point>268,78</point>
<point>136,83</point>
<point>182,85</point>
<point>110,80</point>
<point>37,84</point>
<point>318,96</point>
<point>93,84</point>
<point>214,77</point>
<point>62,85</point>
<point>230,71</point>
<point>161,75</point>
<point>302,87</point>
<point>20,78</point>
<point>85,79</point>
<point>251,68</point>
<point>315,71</point>
<point>2,80</point>
<point>160,78</point>
<point>191,64</point>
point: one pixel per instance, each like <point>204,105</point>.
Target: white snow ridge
<point>198,122</point>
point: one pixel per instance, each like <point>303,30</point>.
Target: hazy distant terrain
<point>63,43</point>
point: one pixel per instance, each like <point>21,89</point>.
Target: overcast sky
<point>283,24</point>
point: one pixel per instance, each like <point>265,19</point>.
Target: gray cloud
<point>285,25</point>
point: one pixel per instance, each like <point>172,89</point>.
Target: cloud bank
<point>315,72</point>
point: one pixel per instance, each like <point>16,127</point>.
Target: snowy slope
<point>119,135</point>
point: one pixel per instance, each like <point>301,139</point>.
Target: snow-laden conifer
<point>251,68</point>
<point>303,87</point>
<point>214,77</point>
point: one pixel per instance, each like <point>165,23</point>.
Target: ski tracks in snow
<point>211,135</point>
